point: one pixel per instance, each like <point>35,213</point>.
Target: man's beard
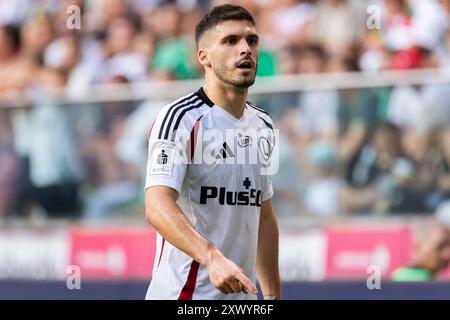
<point>243,83</point>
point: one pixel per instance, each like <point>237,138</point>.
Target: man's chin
<point>244,84</point>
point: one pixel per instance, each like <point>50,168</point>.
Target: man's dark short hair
<point>220,14</point>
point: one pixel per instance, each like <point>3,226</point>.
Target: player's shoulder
<point>260,113</point>
<point>190,102</point>
<point>184,101</point>
<point>182,113</point>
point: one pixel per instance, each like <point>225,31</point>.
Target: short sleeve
<point>167,159</point>
<point>165,165</point>
<point>267,187</point>
<point>269,143</point>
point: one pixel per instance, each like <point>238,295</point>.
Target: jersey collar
<point>202,95</point>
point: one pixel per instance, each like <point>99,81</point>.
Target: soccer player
<point>216,226</point>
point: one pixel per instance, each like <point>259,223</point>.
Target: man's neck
<point>230,99</point>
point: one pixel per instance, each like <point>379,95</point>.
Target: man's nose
<point>244,48</point>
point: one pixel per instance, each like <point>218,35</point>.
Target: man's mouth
<point>245,64</point>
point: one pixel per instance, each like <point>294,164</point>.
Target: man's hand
<point>226,276</point>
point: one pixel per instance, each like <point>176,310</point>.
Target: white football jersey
<point>208,156</point>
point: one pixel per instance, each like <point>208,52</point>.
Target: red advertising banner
<point>444,275</point>
<point>113,253</point>
<point>352,250</point>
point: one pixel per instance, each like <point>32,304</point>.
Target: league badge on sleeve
<point>163,157</point>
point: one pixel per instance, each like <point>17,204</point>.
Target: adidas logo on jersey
<point>224,152</point>
<point>251,197</point>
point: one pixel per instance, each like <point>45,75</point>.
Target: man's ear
<point>203,57</point>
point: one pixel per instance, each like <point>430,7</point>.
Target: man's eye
<point>230,41</point>
<point>252,41</point>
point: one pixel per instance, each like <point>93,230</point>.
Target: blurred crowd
<point>383,150</point>
<point>43,42</point>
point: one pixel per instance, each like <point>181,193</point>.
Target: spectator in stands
<point>15,71</point>
<point>378,157</point>
<point>121,59</point>
<point>355,119</point>
<point>288,196</point>
<point>322,196</point>
<point>13,13</point>
<point>60,15</point>
<point>379,173</point>
<point>278,104</point>
<point>429,22</point>
<point>42,137</point>
<point>50,172</point>
<point>289,21</point>
<point>338,25</point>
<point>173,51</point>
<point>421,107</point>
<point>317,109</point>
<point>9,171</point>
<point>103,12</point>
<point>431,253</point>
<point>378,168</point>
<point>446,6</point>
<point>14,75</point>
<point>444,52</point>
<point>442,169</point>
<point>374,55</point>
<point>37,34</point>
<point>411,195</point>
<point>114,183</point>
<point>398,29</point>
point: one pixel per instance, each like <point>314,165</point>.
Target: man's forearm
<point>169,220</point>
<point>267,257</point>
